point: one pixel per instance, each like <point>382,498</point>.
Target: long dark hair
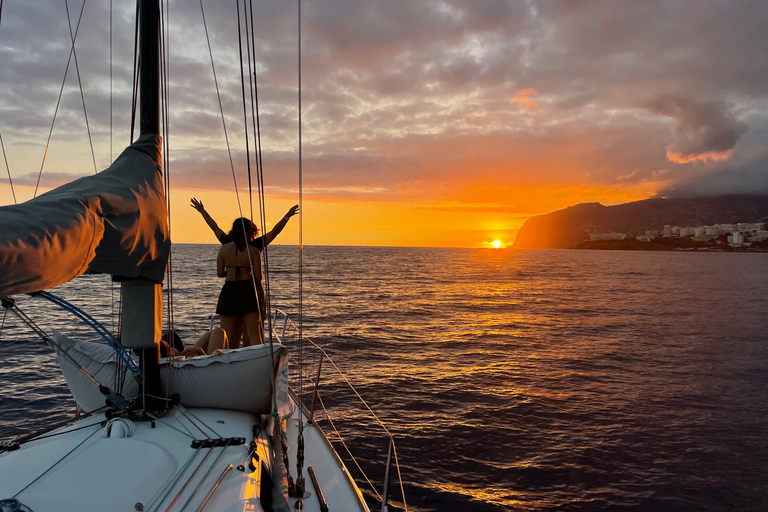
<point>242,232</point>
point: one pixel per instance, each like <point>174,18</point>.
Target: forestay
<point>113,222</point>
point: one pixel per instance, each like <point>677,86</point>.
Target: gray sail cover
<point>113,222</point>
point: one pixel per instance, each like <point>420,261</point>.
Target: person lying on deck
<point>205,345</point>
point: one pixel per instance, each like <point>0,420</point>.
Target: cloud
<point>419,100</point>
<point>702,131</point>
<point>522,97</point>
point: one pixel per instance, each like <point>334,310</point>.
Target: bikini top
<point>238,267</point>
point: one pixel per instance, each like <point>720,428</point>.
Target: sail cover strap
<point>114,222</point>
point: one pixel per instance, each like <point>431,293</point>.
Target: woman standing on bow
<point>254,242</point>
<point>242,296</point>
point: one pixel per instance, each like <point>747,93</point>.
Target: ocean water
<point>511,380</point>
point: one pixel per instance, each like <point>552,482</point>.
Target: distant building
<point>667,230</point>
<point>735,239</point>
<point>607,236</point>
<point>644,238</point>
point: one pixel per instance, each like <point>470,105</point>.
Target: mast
<point>142,303</point>
<point>149,66</point>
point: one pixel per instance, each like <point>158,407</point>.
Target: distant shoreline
<point>667,244</point>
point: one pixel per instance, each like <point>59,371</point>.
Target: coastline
<point>668,244</point>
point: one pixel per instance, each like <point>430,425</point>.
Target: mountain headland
<point>566,229</point>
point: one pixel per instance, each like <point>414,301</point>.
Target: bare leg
<point>232,325</point>
<point>217,339</point>
<point>246,340</point>
<point>253,327</point>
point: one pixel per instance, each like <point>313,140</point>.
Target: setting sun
<point>496,244</point>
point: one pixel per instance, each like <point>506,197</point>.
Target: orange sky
<point>424,124</point>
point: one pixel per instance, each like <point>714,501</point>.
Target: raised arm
<point>198,205</point>
<point>280,225</point>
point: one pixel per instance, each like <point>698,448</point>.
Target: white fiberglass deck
<point>157,469</point>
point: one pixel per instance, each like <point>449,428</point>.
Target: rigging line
<point>5,157</point>
<point>192,422</point>
<point>2,326</point>
<point>189,480</point>
<point>202,480</point>
<point>8,168</point>
<point>110,81</point>
<point>344,444</point>
<point>344,377</point>
<point>199,420</point>
<point>135,73</point>
<point>229,151</point>
<point>301,225</point>
<point>166,490</point>
<point>399,476</point>
<point>80,84</point>
<point>165,72</point>
<point>188,433</point>
<point>245,110</point>
<point>58,101</point>
<point>253,88</point>
<point>259,169</point>
<point>47,434</point>
<point>56,463</point>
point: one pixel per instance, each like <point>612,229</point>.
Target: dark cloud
<point>750,179</point>
<point>702,131</point>
<point>398,95</point>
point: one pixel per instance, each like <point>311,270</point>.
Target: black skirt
<point>237,298</point>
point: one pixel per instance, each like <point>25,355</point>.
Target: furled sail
<point>113,222</point>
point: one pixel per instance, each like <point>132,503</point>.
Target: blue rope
<point>96,326</point>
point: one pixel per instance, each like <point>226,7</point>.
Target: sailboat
<point>221,432</point>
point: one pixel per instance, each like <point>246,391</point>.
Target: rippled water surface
<point>534,380</point>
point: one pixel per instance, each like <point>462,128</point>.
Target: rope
<point>189,480</point>
<point>192,422</point>
<point>165,98</point>
<point>245,111</point>
<point>2,326</point>
<point>110,81</point>
<point>254,89</point>
<point>172,482</point>
<point>300,454</point>
<point>80,84</point>
<point>341,440</point>
<point>188,433</point>
<point>56,463</point>
<point>58,101</point>
<point>135,73</point>
<point>260,188</point>
<point>13,191</point>
<point>399,476</point>
<point>202,479</point>
<point>199,421</point>
<point>229,150</point>
<point>8,168</point>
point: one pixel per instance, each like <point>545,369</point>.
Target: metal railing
<point>306,376</point>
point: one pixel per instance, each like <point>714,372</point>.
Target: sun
<point>496,244</point>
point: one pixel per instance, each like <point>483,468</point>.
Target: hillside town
<point>741,235</point>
